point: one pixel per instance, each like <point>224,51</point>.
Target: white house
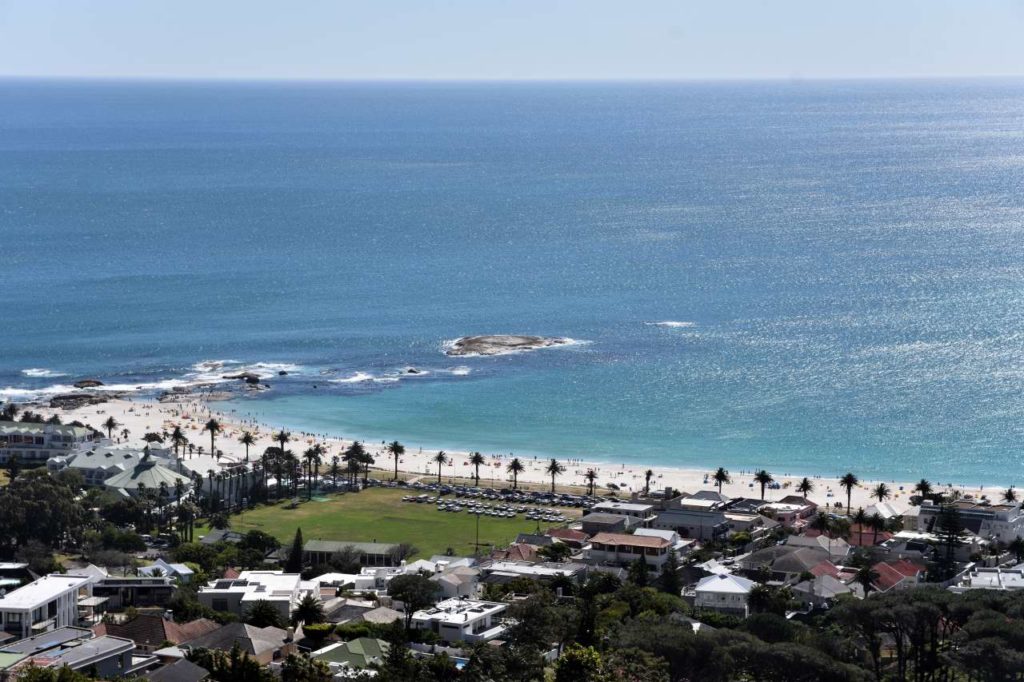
<point>462,620</point>
<point>160,567</point>
<point>43,605</point>
<point>34,444</point>
<point>725,593</point>
<point>281,590</point>
<point>620,549</point>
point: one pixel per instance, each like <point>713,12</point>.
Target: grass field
<point>378,514</point>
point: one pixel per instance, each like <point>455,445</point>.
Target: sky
<point>503,40</point>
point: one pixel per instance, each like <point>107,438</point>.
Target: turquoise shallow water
<point>843,262</point>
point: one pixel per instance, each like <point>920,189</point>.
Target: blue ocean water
<point>844,262</point>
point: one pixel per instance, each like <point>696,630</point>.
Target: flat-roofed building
<point>1004,579</point>
<point>281,590</point>
<point>45,604</point>
<point>622,550</point>
<point>317,552</point>
<point>634,509</point>
<point>1002,522</point>
<point>70,647</point>
<point>462,620</point>
<point>34,444</point>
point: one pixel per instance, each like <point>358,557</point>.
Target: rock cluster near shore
<point>500,344</point>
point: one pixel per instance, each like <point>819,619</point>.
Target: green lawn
<point>378,514</point>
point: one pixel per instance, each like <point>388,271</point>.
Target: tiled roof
<point>568,534</point>
<point>908,568</point>
<point>182,670</point>
<point>825,568</point>
<point>888,577</point>
<point>151,630</point>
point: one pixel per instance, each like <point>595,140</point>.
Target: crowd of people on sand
<point>142,415</point>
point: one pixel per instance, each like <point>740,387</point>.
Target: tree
<point>950,531</point>
<point>302,668</point>
<point>282,438</point>
<point>866,576</point>
<point>877,523</point>
<point>648,475</point>
<point>110,424</point>
<point>721,477</point>
<point>766,599</point>
<point>214,427</point>
<point>396,450</point>
<point>764,479</point>
<point>638,572</point>
<point>13,467</point>
<point>924,487</point>
<point>247,439</point>
<point>414,591</point>
<point>579,664</point>
<point>881,492</point>
<point>553,469</point>
<point>1010,495</point>
<point>354,456</point>
<point>804,487</point>
<point>669,581</point>
<point>295,563</point>
<point>590,477</point>
<point>263,614</point>
<point>477,460</point>
<point>515,467</point>
<point>849,481</point>
<point>1017,547</point>
<point>233,666</point>
<point>178,439</point>
<point>310,610</point>
<point>441,458</point>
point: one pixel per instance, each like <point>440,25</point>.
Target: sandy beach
<point>139,416</point>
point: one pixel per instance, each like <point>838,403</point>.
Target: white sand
<point>140,416</point>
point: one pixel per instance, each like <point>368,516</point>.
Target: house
<point>150,632</point>
<point>34,444</point>
<point>317,552</point>
<point>516,552</point>
<point>677,544</point>
<point>1007,579</point>
<point>570,536</point>
<point>179,572</point>
<point>264,645</point>
<point>837,548</point>
<point>592,524</point>
<point>865,536</point>
<point>138,591</point>
<point>782,562</point>
<point>897,575</point>
<point>724,593</point>
<point>1002,522</point>
<point>49,603</point>
<point>620,549</point>
<point>461,581</point>
<point>68,647</point>
<point>357,654</point>
<point>98,464</point>
<point>694,517</point>
<point>792,511</point>
<point>503,572</point>
<point>462,620</point>
<point>821,591</point>
<point>281,590</point>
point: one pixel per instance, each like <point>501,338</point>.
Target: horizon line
<point>509,80</point>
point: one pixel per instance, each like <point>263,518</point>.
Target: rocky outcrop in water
<point>501,344</point>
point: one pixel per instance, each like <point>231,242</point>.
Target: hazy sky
<point>495,39</point>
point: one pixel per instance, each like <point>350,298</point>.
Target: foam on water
<point>42,373</point>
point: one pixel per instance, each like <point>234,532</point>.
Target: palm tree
<point>214,427</point>
<point>924,487</point>
<point>396,450</point>
<point>554,469</point>
<point>804,487</point>
<point>849,481</point>
<point>764,478</point>
<point>354,455</point>
<point>1017,547</point>
<point>721,477</point>
<point>308,458</point>
<point>178,439</point>
<point>590,477</point>
<point>334,471</point>
<point>1009,495</point>
<point>515,467</point>
<point>866,576</point>
<point>877,523</point>
<point>648,475</point>
<point>110,425</point>
<point>881,492</point>
<point>860,518</point>
<point>477,460</point>
<point>282,437</point>
<point>309,611</point>
<point>247,439</point>
<point>441,458</point>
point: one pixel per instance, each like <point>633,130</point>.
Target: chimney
<point>291,635</point>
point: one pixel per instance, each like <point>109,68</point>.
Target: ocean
<point>810,277</point>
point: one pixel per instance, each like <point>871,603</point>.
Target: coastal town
<point>171,541</point>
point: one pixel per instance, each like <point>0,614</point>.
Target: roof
<point>623,506</point>
<point>357,653</point>
<point>629,540</point>
<point>823,586</point>
<point>153,630</point>
<point>603,519</point>
<point>725,582</point>
<point>516,552</point>
<point>148,473</point>
<point>801,560</point>
<point>382,615</point>
<point>864,536</point>
<point>568,534</point>
<point>39,591</point>
<point>182,670</point>
<point>535,540</point>
<point>888,577</point>
<point>825,568</point>
<point>908,568</point>
<point>252,640</point>
<point>332,546</point>
<point>34,428</point>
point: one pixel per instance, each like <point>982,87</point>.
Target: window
<point>220,605</point>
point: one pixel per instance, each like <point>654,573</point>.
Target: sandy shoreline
<point>142,415</point>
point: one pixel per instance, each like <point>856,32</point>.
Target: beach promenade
<point>140,416</point>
